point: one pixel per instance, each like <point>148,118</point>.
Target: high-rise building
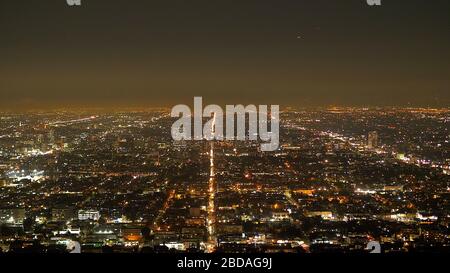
<point>3,180</point>
<point>372,139</point>
<point>51,136</point>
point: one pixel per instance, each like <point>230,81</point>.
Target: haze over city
<point>161,53</point>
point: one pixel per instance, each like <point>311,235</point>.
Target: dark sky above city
<point>161,53</point>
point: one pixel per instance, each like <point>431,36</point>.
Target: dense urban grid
<point>117,182</point>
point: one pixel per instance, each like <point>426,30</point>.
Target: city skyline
<point>117,182</point>
<point>241,129</point>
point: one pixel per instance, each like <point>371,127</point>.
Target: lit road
<point>211,218</point>
<point>69,122</point>
<point>291,200</point>
<point>162,211</point>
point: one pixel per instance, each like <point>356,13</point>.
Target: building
<point>88,215</point>
<point>372,140</point>
<point>281,216</point>
<point>131,234</point>
<point>3,182</point>
<point>230,229</point>
<point>195,212</point>
<point>191,237</point>
<point>12,216</point>
<point>51,136</point>
<point>322,214</point>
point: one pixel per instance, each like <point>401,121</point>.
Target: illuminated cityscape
<point>224,135</point>
<point>115,181</point>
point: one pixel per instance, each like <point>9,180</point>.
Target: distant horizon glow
<point>162,53</point>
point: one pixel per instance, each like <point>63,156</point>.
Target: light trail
<point>67,122</point>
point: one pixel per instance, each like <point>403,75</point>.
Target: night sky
<point>161,53</point>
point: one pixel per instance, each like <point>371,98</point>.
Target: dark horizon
<point>161,53</point>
